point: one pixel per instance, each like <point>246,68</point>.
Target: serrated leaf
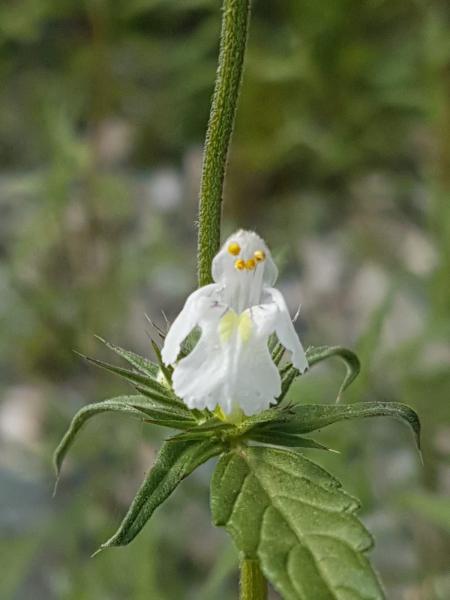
<point>135,406</point>
<point>304,418</point>
<point>352,363</point>
<point>142,364</point>
<point>295,518</point>
<point>175,461</point>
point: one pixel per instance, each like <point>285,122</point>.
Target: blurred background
<point>340,160</point>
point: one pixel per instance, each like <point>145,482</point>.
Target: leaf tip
<point>99,550</point>
<point>334,451</point>
<point>419,450</point>
<point>55,486</point>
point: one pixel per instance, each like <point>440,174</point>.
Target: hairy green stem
<point>235,21</point>
<point>253,585</point>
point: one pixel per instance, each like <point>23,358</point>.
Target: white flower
<point>231,366</point>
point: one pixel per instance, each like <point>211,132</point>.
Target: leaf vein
<point>299,538</point>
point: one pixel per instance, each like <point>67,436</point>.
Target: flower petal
<point>285,330</point>
<point>248,242</point>
<point>194,310</point>
<point>230,366</point>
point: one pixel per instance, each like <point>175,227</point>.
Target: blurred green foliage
<point>341,160</point>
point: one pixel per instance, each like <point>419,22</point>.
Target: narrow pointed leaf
<point>153,388</point>
<point>157,417</point>
<point>353,366</point>
<point>171,423</point>
<point>165,396</point>
<point>120,404</point>
<point>155,410</point>
<point>294,517</point>
<point>281,438</point>
<point>175,461</point>
<point>288,375</point>
<point>305,418</point>
<point>267,416</point>
<point>189,436</point>
<point>166,371</point>
<point>278,353</point>
<point>272,342</point>
<point>190,342</point>
<point>140,363</point>
<point>132,376</point>
<point>226,430</point>
<point>134,406</point>
<point>208,429</point>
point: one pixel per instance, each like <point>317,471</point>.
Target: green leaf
<point>160,413</point>
<point>132,376</point>
<point>215,426</point>
<point>304,418</point>
<point>210,427</point>
<point>278,353</point>
<point>281,438</point>
<point>169,399</point>
<point>272,342</point>
<point>166,371</point>
<point>267,416</point>
<point>142,364</point>
<point>320,353</point>
<point>190,342</point>
<point>175,461</point>
<point>295,518</point>
<point>135,406</point>
<point>146,385</point>
<point>288,374</point>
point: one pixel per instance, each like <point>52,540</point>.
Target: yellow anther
<point>259,255</point>
<point>250,264</point>
<point>234,248</point>
<point>239,264</point>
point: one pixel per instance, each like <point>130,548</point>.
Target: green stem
<point>235,21</point>
<point>253,584</point>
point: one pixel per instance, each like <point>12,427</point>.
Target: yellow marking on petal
<point>227,325</point>
<point>239,264</point>
<point>218,412</point>
<point>230,322</point>
<point>234,248</point>
<point>236,417</point>
<point>245,326</point>
<point>250,264</point>
<point>259,255</point>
